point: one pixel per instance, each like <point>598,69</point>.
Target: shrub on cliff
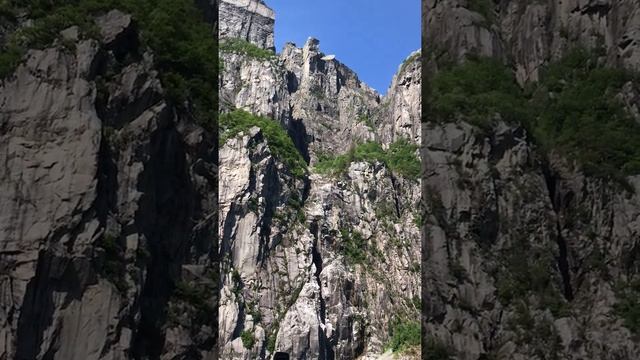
<point>477,91</point>
<point>239,46</point>
<point>575,109</point>
<point>405,335</point>
<point>578,111</point>
<point>280,143</point>
<point>400,158</point>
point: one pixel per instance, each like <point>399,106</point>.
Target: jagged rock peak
<point>309,62</point>
<point>312,44</point>
<point>250,20</point>
<point>399,117</point>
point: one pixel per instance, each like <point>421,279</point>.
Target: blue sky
<point>372,37</point>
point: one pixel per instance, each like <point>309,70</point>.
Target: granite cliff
<point>531,223</point>
<point>318,195</point>
<point>108,245</point>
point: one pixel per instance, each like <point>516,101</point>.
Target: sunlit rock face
<point>319,266</point>
<point>249,20</point>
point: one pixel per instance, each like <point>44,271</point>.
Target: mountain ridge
<point>330,235</point>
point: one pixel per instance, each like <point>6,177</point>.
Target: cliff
<point>107,189</point>
<point>318,221</point>
<point>531,219</point>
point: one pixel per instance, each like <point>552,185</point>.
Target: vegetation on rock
<point>477,91</point>
<point>628,305</point>
<point>113,263</point>
<point>405,335</point>
<point>248,340</point>
<point>279,141</point>
<point>400,158</point>
<point>575,109</point>
<point>436,350</point>
<point>353,246</point>
<point>239,46</point>
<point>185,52</point>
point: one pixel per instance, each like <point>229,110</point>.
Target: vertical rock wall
<point>292,281</point>
<point>505,217</point>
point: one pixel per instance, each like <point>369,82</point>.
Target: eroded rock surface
<point>319,266</point>
<point>531,33</point>
<point>524,253</point>
<point>249,20</point>
<point>107,206</point>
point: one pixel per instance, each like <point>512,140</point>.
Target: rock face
<point>249,20</point>
<point>503,219</point>
<point>321,102</point>
<point>316,265</point>
<point>107,206</point>
<point>399,116</point>
<point>531,33</point>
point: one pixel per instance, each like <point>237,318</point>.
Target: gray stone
<point>249,20</point>
<point>84,209</point>
<point>287,262</point>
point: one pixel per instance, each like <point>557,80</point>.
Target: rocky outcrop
<point>318,265</point>
<point>319,100</point>
<point>518,254</point>
<point>267,97</point>
<point>530,34</point>
<point>330,104</point>
<point>398,116</point>
<point>107,215</point>
<point>249,20</point>
<point>453,31</point>
<point>525,256</point>
<point>288,276</point>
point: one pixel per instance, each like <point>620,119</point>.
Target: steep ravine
<point>338,270</point>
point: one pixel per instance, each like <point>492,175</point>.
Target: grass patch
<point>405,335</point>
<point>399,158</point>
<point>243,47</point>
<point>280,143</point>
